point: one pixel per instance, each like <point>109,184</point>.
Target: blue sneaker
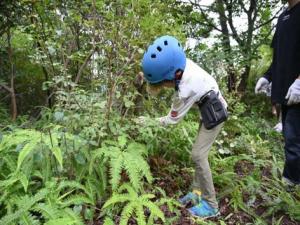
<point>193,197</point>
<point>204,210</point>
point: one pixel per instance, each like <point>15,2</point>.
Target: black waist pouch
<point>212,110</point>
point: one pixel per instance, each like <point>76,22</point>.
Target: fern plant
<point>25,141</point>
<point>108,221</point>
<point>27,154</point>
<point>123,157</point>
<point>52,203</point>
<point>25,172</point>
<point>134,205</point>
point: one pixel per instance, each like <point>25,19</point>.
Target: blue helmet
<point>162,59</point>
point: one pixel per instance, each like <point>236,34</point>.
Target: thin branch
<point>84,64</point>
<point>121,71</point>
<point>270,20</point>
<point>5,87</point>
<point>3,29</point>
<point>254,8</point>
<point>243,6</point>
<point>265,37</point>
<point>230,22</point>
<point>208,22</point>
<point>198,5</point>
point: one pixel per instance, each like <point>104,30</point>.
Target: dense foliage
<point>71,148</point>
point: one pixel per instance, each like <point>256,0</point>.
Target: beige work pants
<point>203,177</point>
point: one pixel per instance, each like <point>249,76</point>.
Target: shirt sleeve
<point>180,107</point>
<point>268,73</point>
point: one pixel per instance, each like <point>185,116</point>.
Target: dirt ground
<point>176,181</point>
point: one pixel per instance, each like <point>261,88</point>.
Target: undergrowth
<point>75,167</point>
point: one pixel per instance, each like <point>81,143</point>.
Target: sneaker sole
<point>205,217</point>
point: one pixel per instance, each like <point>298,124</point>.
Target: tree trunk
<point>14,110</point>
<point>231,78</point>
<point>49,98</point>
<point>248,48</point>
<point>244,79</point>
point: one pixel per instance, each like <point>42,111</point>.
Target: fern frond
<point>74,216</point>
<point>96,187</point>
<point>75,185</point>
<point>122,140</point>
<point>72,186</point>
<point>131,159</point>
<point>18,136</point>
<point>66,217</point>
<point>116,165</point>
<point>135,204</point>
<point>145,169</point>
<point>171,203</point>
<point>146,197</point>
<point>127,187</point>
<point>98,154</point>
<point>28,219</point>
<point>141,219</point>
<point>61,221</point>
<point>10,162</point>
<point>127,211</point>
<point>48,211</point>
<point>134,147</point>
<point>3,196</point>
<point>15,177</point>
<point>133,171</point>
<point>24,204</point>
<point>24,181</point>
<point>9,181</point>
<point>117,198</point>
<point>154,209</point>
<point>76,200</point>
<point>108,221</point>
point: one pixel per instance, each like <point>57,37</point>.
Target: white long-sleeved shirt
<point>195,82</point>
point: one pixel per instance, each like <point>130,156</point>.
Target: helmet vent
<point>166,42</point>
<point>153,56</point>
<point>149,75</point>
<point>178,44</point>
<point>159,49</point>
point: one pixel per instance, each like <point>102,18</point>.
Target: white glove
<point>278,127</point>
<point>142,120</point>
<point>261,85</point>
<point>293,94</point>
<point>269,90</point>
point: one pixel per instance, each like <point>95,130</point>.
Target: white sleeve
<point>180,107</point>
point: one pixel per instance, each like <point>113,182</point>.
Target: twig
<point>84,64</point>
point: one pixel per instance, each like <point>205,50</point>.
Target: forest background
<point>71,150</point>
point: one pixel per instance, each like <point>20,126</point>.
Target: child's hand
<point>139,79</point>
<point>142,120</point>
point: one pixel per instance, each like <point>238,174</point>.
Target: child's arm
<point>180,107</point>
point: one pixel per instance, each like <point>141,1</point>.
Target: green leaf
<point>61,221</point>
<point>122,140</point>
<point>58,155</point>
<point>27,149</point>
<point>24,181</point>
<point>108,221</point>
